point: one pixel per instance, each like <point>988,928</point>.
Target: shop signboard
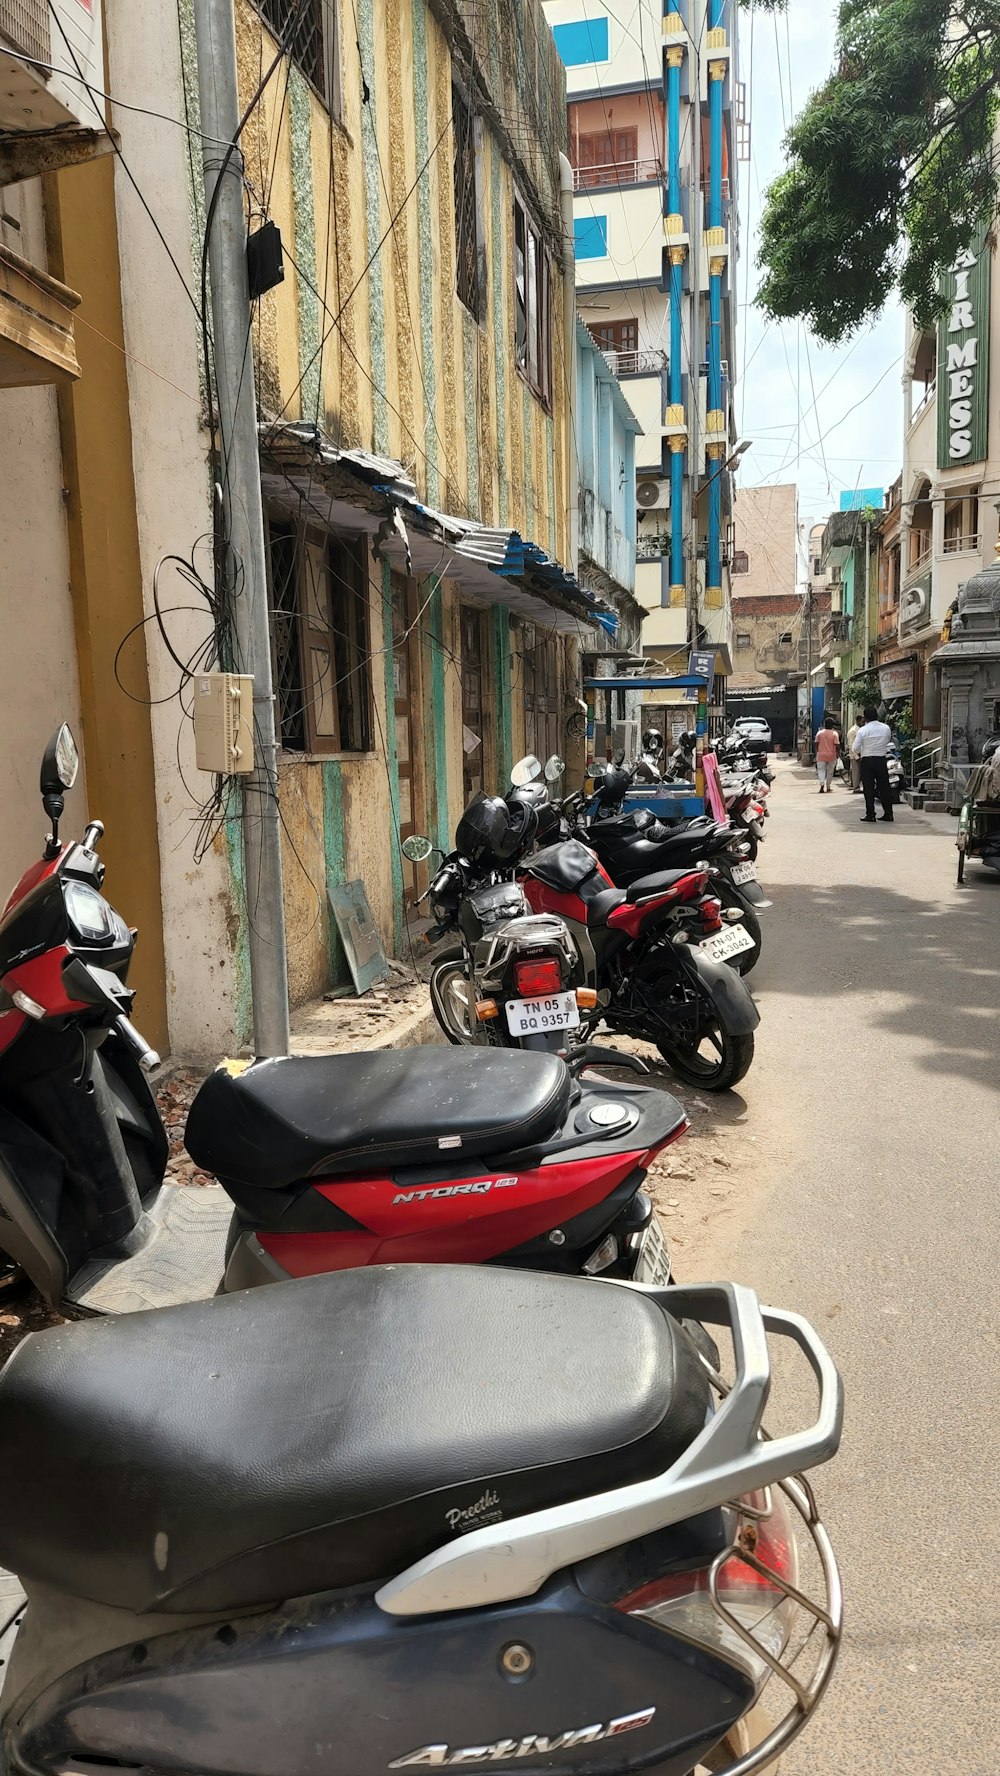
<point>963,359</point>
<point>895,680</point>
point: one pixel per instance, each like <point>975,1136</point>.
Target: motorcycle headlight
<point>92,919</point>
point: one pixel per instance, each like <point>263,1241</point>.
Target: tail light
<point>711,915</point>
<point>747,1616</point>
<point>692,886</point>
<point>535,980</point>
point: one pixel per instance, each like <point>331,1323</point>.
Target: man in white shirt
<point>871,746</point>
<point>852,734</point>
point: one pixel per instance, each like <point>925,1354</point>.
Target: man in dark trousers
<point>871,745</point>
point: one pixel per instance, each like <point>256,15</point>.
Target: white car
<point>753,727</point>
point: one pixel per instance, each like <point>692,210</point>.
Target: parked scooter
<point>254,1531</point>
<point>325,1162</point>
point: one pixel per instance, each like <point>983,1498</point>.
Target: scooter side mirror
<point>619,758</point>
<point>416,849</point>
<point>555,767</point>
<point>527,770</point>
<point>60,763</point>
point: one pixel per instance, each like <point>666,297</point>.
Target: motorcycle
<point>635,845</point>
<point>325,1162</point>
<point>651,981</point>
<point>515,979</point>
<point>254,1532</point>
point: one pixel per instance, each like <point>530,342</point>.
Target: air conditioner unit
<point>58,51</point>
<point>648,493</point>
<point>625,738</point>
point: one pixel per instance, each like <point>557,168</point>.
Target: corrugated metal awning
<point>356,490</point>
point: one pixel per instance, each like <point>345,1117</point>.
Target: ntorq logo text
<point>429,1757</point>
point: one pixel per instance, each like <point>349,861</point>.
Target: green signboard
<point>963,360</point>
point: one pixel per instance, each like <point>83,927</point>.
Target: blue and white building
<point>657,128</point>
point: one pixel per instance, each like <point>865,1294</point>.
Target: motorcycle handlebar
<point>147,1057</point>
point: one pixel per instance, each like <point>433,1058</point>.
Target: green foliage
<point>891,165</point>
<point>863,689</point>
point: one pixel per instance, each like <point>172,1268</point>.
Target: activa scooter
<point>326,1162</point>
<point>407,1519</point>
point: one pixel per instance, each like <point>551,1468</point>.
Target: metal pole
<point>868,594</point>
<point>243,516</point>
<point>809,660</point>
<point>697,237</point>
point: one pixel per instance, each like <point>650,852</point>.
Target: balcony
<point>635,363</point>
<point>963,545</point>
<point>652,545</point>
<point>922,549</point>
<point>618,172</point>
<point>836,631</point>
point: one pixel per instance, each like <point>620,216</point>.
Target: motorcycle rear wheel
<point>730,897</point>
<point>717,1063</point>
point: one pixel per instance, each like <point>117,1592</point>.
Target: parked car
<point>753,727</point>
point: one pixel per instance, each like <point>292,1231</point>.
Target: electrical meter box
<point>223,722</point>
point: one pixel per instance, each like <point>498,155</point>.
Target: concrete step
<point>935,805</point>
<point>933,786</point>
<point>913,797</point>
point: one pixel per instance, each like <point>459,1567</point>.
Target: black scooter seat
<point>325,1433</point>
<point>276,1122</point>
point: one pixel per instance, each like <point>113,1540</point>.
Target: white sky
<point>775,395</point>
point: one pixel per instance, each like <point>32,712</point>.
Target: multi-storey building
<point>415,373</point>
<point>948,518</point>
<point>655,134</point>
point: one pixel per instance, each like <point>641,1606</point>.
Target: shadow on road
<point>943,965</point>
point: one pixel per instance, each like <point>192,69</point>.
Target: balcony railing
<point>706,185</point>
<point>652,546</point>
<point>836,629</point>
<point>635,363</point>
<point>618,172</point>
<point>922,559</point>
<point>962,545</point>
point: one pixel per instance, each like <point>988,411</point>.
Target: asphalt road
<point>868,1137</point>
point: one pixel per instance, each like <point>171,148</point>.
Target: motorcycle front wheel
<point>451,996</point>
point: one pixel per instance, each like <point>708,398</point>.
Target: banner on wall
<point>963,359</point>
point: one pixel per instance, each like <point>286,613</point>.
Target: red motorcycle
<point>326,1163</point>
<point>642,949</point>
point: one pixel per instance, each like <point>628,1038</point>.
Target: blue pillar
<point>675,52</point>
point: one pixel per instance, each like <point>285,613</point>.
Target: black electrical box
<point>265,260</point>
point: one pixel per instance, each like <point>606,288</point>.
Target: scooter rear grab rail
<point>729,1457</point>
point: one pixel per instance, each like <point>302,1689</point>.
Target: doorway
<point>473,701</point>
<point>407,705</point>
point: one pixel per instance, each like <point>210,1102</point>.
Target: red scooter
<point>326,1163</point>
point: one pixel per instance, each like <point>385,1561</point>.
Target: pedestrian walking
<point>855,763</point>
<point>827,754</point>
<point>871,744</point>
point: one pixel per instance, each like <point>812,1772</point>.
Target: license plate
<point>744,872</point>
<point>529,1017</point>
<point>653,1262</point>
<point>727,943</point>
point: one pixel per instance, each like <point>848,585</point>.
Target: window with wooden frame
<point>532,305</point>
<point>616,336</point>
<point>606,157</point>
<point>466,205</point>
<point>305,30</point>
<point>317,587</point>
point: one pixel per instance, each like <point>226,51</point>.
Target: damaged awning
<point>357,490</point>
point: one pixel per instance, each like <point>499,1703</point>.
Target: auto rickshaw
<point>979,818</point>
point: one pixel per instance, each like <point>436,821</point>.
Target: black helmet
<point>484,829</point>
<point>990,746</point>
<point>612,786</point>
<point>652,741</point>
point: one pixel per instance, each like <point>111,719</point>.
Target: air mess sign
<point>964,359</point>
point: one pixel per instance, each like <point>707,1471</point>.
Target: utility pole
<point>243,514</point>
<point>697,216</point>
